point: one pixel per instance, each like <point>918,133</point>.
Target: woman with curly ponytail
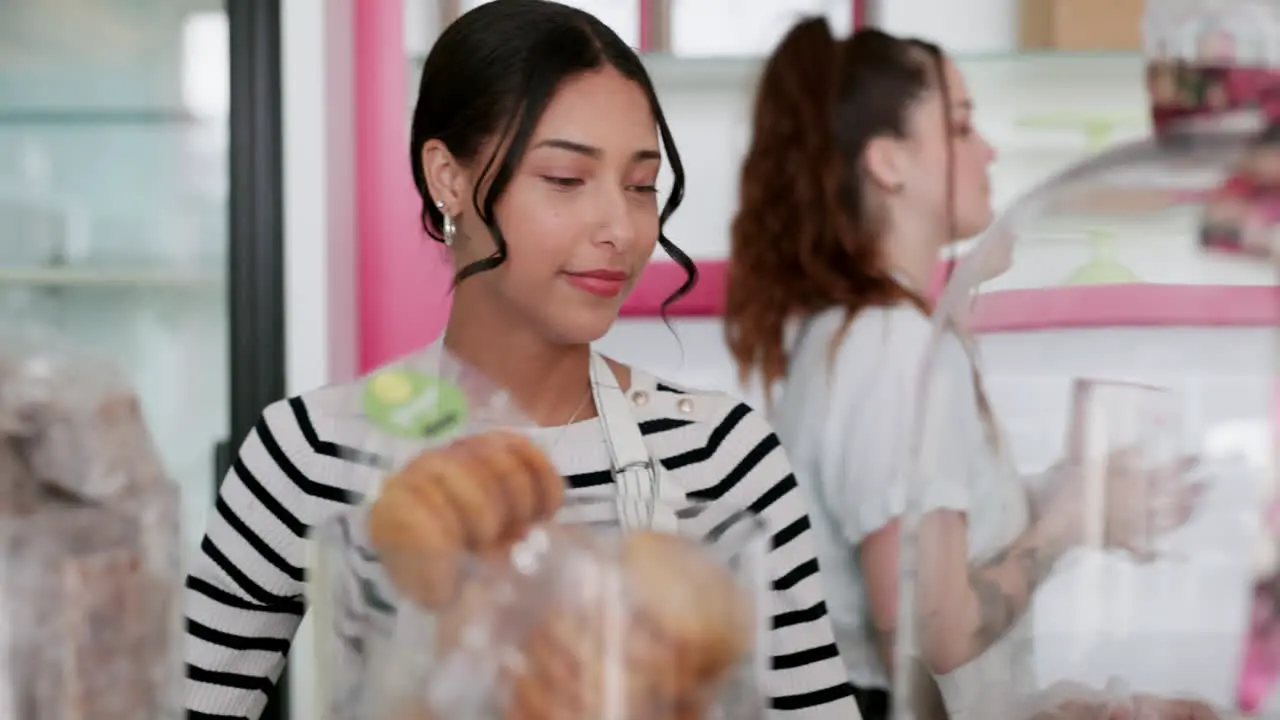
<point>863,165</point>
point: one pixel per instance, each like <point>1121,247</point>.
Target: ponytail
<point>788,187</point>
<point>801,240</point>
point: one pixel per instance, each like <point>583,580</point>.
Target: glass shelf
<point>671,70</point>
<point>37,116</point>
<point>1011,90</point>
<point>109,188</point>
<point>123,278</point>
<point>1026,98</point>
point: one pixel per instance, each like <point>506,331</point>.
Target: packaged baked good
<point>574,617</point>
<point>573,623</point>
<point>89,560</point>
<point>79,424</point>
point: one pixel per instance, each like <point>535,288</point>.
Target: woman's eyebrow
<point>592,152</point>
<point>571,146</point>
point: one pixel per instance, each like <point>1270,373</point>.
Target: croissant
<point>464,500</point>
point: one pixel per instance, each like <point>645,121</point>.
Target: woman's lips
<point>601,283</point>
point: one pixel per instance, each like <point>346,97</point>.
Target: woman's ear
<point>447,180</point>
<point>884,164</point>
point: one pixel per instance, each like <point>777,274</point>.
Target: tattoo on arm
<point>996,608</point>
<point>999,605</point>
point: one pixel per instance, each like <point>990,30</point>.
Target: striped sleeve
<point>749,468</point>
<point>245,591</point>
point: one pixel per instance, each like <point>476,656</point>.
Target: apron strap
<point>646,497</point>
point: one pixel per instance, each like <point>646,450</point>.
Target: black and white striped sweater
<point>246,590</point>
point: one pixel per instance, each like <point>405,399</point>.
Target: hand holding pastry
<point>471,498</point>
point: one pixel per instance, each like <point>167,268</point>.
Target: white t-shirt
<point>848,420</point>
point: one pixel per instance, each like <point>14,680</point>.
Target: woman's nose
<point>618,226</point>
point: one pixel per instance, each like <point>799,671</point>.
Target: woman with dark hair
<point>863,165</point>
<point>536,145</point>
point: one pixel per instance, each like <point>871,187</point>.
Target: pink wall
<point>403,276</point>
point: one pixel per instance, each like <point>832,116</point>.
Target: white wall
<point>319,228</point>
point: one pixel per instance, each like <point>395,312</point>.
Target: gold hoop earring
<point>449,228</point>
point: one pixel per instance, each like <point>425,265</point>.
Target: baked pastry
<point>456,503</point>
<point>657,644</point>
<point>88,531</point>
<point>645,626</point>
<point>78,434</point>
<point>106,622</point>
<point>96,453</point>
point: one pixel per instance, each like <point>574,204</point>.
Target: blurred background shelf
<point>122,278</point>
<point>36,116</point>
<point>1041,111</point>
<point>1043,68</point>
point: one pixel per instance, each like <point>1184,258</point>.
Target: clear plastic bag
<point>578,619</point>
<point>90,572</point>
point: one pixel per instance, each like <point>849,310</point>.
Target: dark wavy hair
<point>806,235</point>
<point>491,74</point>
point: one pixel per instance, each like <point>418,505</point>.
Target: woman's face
<point>580,215</point>
<point>936,124</point>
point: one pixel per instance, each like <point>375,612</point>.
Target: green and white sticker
<point>414,404</point>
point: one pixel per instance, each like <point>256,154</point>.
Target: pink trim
<point>1141,305</point>
<point>662,278</point>
<point>1080,306</point>
<point>859,13</point>
<point>398,266</point>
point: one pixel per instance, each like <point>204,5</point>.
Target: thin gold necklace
<point>564,430</point>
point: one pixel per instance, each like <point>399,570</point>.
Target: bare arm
<point>963,608</point>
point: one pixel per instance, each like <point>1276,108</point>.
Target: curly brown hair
<point>806,236</point>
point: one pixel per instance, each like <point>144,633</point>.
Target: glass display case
<point>115,162</point>
<point>140,203</point>
<point>113,191</point>
<point>1098,408</point>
